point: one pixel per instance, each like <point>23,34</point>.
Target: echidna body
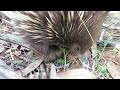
<point>49,31</point>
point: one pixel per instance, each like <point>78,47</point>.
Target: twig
<point>11,59</point>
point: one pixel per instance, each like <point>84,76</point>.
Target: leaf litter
<point>26,64</point>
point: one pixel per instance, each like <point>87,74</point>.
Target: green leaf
<point>115,50</point>
<point>103,69</point>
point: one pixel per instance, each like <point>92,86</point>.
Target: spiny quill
<point>49,31</point>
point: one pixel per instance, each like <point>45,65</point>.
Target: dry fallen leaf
<point>30,54</point>
<point>53,74</point>
<point>7,73</point>
<point>110,55</point>
<point>34,76</point>
<point>2,49</point>
<point>31,67</point>
<point>76,74</point>
<point>93,51</point>
<point>114,70</point>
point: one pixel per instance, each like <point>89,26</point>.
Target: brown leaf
<point>110,55</point>
<point>114,70</point>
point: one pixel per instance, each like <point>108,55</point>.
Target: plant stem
<point>65,58</point>
<point>105,45</point>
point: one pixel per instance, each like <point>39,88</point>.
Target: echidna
<point>49,31</point>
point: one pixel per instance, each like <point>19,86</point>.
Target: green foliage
<point>104,47</point>
<point>103,69</point>
<point>115,50</point>
<point>62,61</point>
